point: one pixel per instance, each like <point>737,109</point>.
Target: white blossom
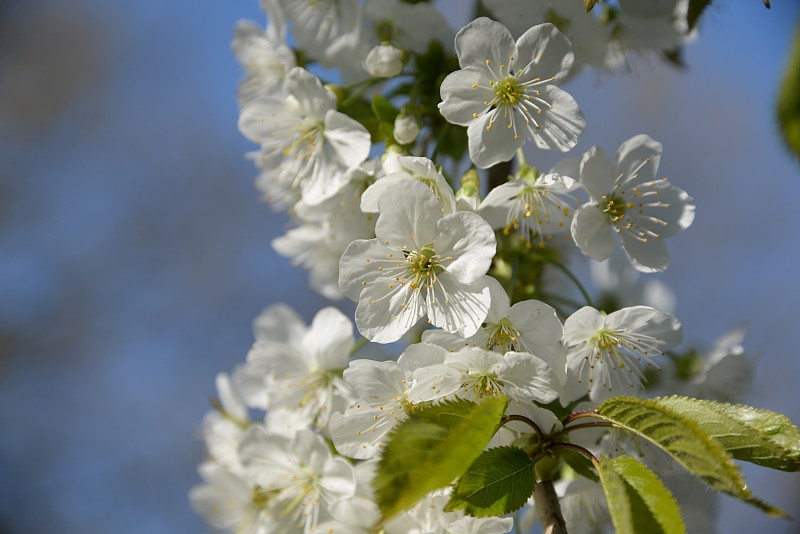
<point>305,142</point>
<point>628,199</point>
<point>537,208</point>
<point>327,228</point>
<point>305,376</point>
<point>412,168</point>
<point>529,326</point>
<point>474,373</point>
<point>382,392</point>
<point>299,476</point>
<point>506,91</point>
<point>229,502</point>
<point>605,352</point>
<point>422,262</point>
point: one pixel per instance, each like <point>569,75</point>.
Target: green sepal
<point>637,499</point>
<point>499,482</point>
<point>750,434</point>
<point>684,440</point>
<point>434,446</point>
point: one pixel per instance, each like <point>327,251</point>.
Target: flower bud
<point>385,61</point>
<point>406,129</point>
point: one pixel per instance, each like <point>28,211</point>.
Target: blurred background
<point>134,251</point>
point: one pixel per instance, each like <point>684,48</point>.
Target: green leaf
<point>578,462</point>
<point>759,436</point>
<point>637,499</point>
<point>788,108</point>
<point>384,109</point>
<point>499,482</point>
<point>588,5</point>
<point>685,441</point>
<point>696,9</point>
<point>435,445</point>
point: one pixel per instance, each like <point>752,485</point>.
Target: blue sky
<point>136,252</point>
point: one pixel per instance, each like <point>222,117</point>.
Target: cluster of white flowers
<point>391,234</point>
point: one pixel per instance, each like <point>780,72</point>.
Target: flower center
<point>504,336</point>
<point>508,92</point>
<point>615,207</point>
<point>423,265</point>
<point>261,497</point>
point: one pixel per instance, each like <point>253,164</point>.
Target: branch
<point>548,508</point>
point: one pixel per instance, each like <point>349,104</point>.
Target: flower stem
<point>360,89</point>
<point>578,448</point>
<point>548,508</point>
<point>563,268</point>
<point>523,419</point>
<point>596,424</point>
<point>360,342</point>
<point>439,140</point>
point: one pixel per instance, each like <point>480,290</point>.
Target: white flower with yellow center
<point>422,262</point>
<point>505,92</point>
<point>628,199</point>
<point>414,168</point>
<point>298,477</point>
<point>535,207</point>
<point>382,392</point>
<point>475,373</point>
<point>529,326</point>
<point>605,353</point>
<point>305,143</point>
<point>305,376</point>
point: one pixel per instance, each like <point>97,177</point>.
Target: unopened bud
<point>406,129</point>
<point>385,61</point>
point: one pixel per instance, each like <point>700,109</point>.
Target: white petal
<point>597,173</point>
<point>592,232</point>
<point>421,355</point>
<point>375,382</point>
<point>360,265</point>
<point>544,52</point>
<point>582,325</point>
<point>484,40</point>
<point>408,216</point>
<point>279,323</point>
<point>561,123</point>
<point>489,145</point>
<point>330,339</point>
<point>529,377</point>
<point>349,138</point>
<point>369,199</point>
<point>314,99</point>
<point>460,100</point>
<point>469,240</point>
<point>384,315</point>
<point>648,257</point>
<point>458,307</point>
<point>634,152</point>
<point>434,382</point>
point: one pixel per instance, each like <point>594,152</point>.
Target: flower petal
<point>469,240</point>
<point>544,52</point>
<point>463,95</point>
<point>592,232</point>
<point>485,43</point>
<point>561,123</point>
